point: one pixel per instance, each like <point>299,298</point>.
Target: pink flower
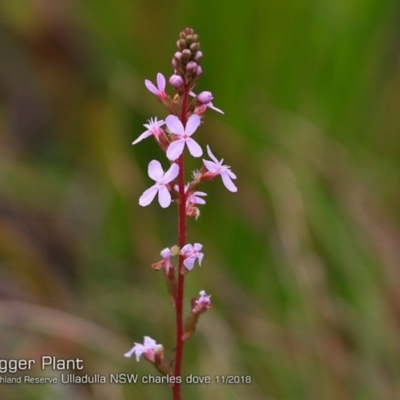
<point>205,99</point>
<point>183,135</point>
<point>159,91</point>
<point>203,303</point>
<point>215,168</point>
<point>166,254</point>
<point>191,253</point>
<point>193,198</point>
<point>165,263</point>
<point>149,348</point>
<point>153,128</point>
<point>162,179</point>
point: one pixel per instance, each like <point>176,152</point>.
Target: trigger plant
<point>176,135</point>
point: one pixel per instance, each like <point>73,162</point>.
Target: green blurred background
<point>303,262</point>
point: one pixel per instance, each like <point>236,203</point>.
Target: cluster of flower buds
<point>186,61</point>
<point>174,135</point>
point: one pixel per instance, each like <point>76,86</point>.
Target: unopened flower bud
<point>175,63</point>
<point>199,71</point>
<point>178,55</point>
<point>188,31</point>
<point>195,46</point>
<point>205,97</point>
<point>181,44</point>
<point>191,66</point>
<point>176,81</point>
<point>186,55</point>
<point>198,56</point>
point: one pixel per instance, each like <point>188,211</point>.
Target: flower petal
<point>160,82</point>
<point>175,149</point>
<point>164,197</point>
<point>151,87</point>
<point>228,183</point>
<point>148,195</point>
<point>231,174</point>
<point>171,174</point>
<point>211,166</point>
<point>211,155</point>
<point>174,125</point>
<point>155,170</point>
<point>192,124</point>
<point>198,246</point>
<point>185,248</point>
<point>188,263</point>
<point>210,105</point>
<point>138,349</point>
<point>194,148</point>
<point>199,200</point>
<point>144,135</point>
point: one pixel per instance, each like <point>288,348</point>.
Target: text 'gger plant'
<point>175,136</point>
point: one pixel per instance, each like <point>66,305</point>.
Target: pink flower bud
<point>178,55</point>
<point>186,55</point>
<point>191,66</point>
<point>199,70</point>
<point>198,56</point>
<point>176,81</point>
<point>205,97</point>
<point>175,63</point>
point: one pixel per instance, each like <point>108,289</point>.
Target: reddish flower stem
<point>176,388</point>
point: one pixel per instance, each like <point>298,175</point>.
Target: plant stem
<point>176,388</point>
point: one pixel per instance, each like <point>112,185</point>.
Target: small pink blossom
<point>203,303</point>
<point>166,254</point>
<point>194,198</point>
<point>149,348</point>
<point>215,168</point>
<point>162,179</point>
<point>191,253</point>
<point>183,136</point>
<point>205,100</point>
<point>159,91</point>
<point>153,128</point>
<point>165,263</point>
